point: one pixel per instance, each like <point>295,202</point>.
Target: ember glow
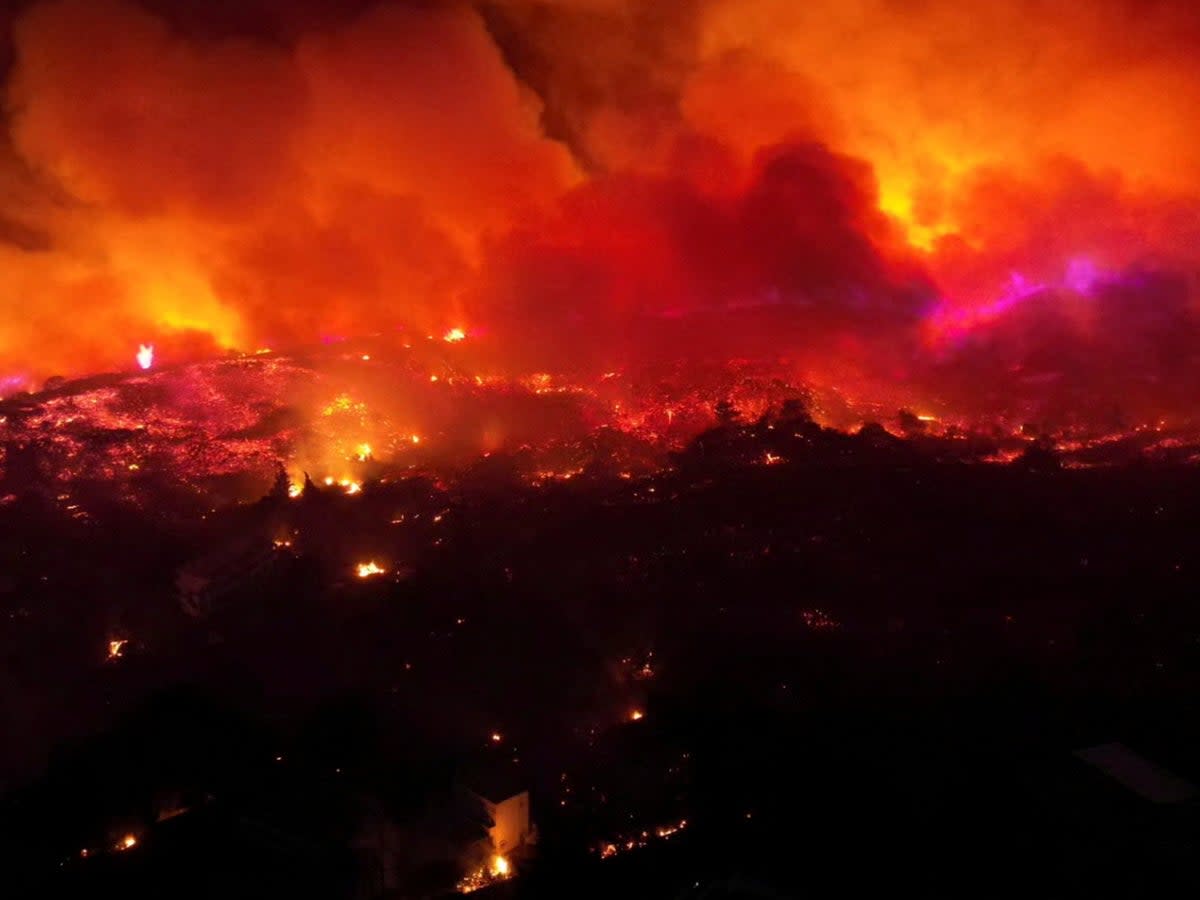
<point>638,839</point>
<point>497,869</point>
<point>449,355</point>
<point>369,569</point>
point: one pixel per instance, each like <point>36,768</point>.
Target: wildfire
<point>210,440</point>
<point>636,715</point>
<point>344,404</point>
<point>369,569</point>
<point>498,868</point>
<point>126,843</point>
<point>637,840</point>
<point>349,485</point>
<point>819,620</point>
<point>115,648</point>
<point>914,190</point>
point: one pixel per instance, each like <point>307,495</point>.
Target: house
<point>497,801</point>
<point>511,828</point>
<point>234,565</point>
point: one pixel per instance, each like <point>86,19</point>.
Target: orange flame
<point>369,569</point>
<point>857,183</point>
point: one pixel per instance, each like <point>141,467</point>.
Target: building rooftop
<point>494,780</point>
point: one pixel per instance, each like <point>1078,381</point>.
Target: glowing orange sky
<point>865,163</point>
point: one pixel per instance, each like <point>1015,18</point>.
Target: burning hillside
<point>984,213</point>
<point>345,416</point>
<point>221,429</point>
<point>447,442</point>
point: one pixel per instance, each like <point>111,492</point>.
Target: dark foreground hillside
<point>802,666</point>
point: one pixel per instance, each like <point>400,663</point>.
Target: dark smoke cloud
<point>797,236</point>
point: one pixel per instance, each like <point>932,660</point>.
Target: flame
<point>636,715</point>
<point>349,485</point>
<point>853,183</point>
<point>116,647</point>
<point>638,839</point>
<point>369,569</point>
<point>128,842</point>
<point>498,868</point>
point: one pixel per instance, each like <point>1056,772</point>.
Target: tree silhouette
<point>727,414</point>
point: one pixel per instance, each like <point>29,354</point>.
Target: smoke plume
<point>995,205</point>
